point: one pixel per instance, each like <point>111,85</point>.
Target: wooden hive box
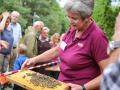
<point>18,79</point>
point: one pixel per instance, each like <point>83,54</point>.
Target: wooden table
<point>54,68</point>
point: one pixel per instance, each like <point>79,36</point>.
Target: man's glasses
<point>74,19</point>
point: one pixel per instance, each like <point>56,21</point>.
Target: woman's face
<point>56,39</point>
<point>44,34</point>
<point>75,20</point>
<point>7,23</point>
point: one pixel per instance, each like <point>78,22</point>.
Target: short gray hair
<point>16,12</point>
<point>46,28</point>
<point>81,7</point>
<point>38,23</point>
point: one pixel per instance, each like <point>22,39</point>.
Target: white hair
<point>16,12</point>
<point>46,28</point>
<point>38,23</point>
<point>80,7</point>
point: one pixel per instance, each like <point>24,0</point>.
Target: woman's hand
<point>6,72</point>
<point>28,63</point>
<point>51,43</point>
<point>74,86</point>
<point>6,14</point>
<point>3,45</point>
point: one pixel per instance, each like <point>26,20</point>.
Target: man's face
<point>14,17</point>
<point>39,28</point>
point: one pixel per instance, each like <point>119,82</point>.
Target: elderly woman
<point>43,45</point>
<point>83,50</point>
<point>6,35</point>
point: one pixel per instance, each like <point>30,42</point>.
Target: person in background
<point>31,38</point>
<point>6,35</point>
<point>55,38</point>
<point>82,51</point>
<point>17,37</point>
<point>111,75</point>
<point>21,51</point>
<point>43,45</point>
<point>3,45</point>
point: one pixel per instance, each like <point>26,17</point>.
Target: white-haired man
<point>17,37</point>
<point>30,38</point>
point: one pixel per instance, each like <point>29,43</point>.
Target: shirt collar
<point>86,32</point>
<point>40,38</point>
<point>12,23</point>
<point>35,31</point>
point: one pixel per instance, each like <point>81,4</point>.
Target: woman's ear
<point>87,18</point>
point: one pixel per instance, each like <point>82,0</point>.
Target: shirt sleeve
<point>111,77</point>
<point>30,43</point>
<point>20,32</point>
<point>99,48</point>
<point>103,85</point>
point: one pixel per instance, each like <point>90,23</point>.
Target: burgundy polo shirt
<point>79,59</point>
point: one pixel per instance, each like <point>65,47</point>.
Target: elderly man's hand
<point>116,36</point>
<point>3,45</point>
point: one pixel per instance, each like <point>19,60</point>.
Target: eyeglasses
<point>74,19</point>
<point>45,33</point>
<point>56,38</point>
<point>41,27</point>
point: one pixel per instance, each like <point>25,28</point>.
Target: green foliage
<point>53,16</point>
<point>15,5</point>
<point>105,15</point>
<point>49,12</point>
<point>64,22</point>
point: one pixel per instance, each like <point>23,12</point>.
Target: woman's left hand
<point>74,86</point>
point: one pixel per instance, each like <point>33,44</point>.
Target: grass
<point>22,39</point>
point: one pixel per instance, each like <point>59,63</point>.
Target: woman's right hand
<point>28,63</point>
<point>3,45</point>
<point>51,43</point>
<point>6,14</point>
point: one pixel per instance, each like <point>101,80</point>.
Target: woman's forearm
<point>2,24</point>
<point>93,84</point>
